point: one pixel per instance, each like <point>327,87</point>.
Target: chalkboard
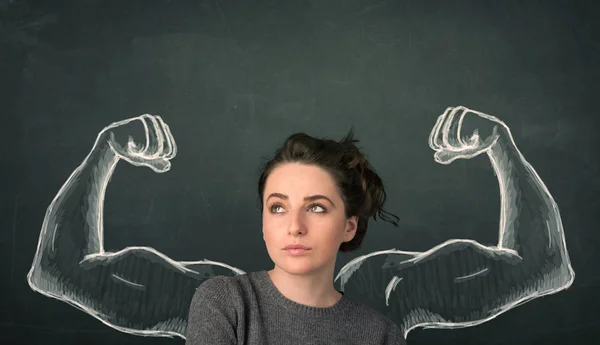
<point>231,80</point>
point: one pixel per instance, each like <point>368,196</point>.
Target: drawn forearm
<point>72,226</point>
<point>530,222</point>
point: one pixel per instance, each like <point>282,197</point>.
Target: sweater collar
<point>272,293</point>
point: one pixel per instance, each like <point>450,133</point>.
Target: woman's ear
<point>351,226</point>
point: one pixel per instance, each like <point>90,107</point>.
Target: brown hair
<point>361,188</point>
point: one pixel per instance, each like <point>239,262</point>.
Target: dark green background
<point>234,78</point>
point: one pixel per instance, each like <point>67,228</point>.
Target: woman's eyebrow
<point>317,197</point>
<point>307,198</point>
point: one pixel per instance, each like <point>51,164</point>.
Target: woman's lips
<point>297,251</point>
<point>296,246</point>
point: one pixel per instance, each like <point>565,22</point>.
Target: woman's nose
<point>297,224</point>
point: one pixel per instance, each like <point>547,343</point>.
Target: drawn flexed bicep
<point>462,283</point>
<point>457,284</point>
<point>138,289</point>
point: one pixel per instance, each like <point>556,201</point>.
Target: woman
<point>316,198</point>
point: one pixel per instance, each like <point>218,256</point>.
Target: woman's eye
<point>317,208</point>
<point>313,208</point>
<point>275,208</point>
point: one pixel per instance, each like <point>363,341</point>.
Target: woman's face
<point>302,205</point>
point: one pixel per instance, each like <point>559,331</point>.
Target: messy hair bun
<point>360,186</point>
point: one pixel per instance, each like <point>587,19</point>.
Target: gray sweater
<point>248,309</point>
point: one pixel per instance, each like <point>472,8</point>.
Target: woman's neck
<point>312,290</point>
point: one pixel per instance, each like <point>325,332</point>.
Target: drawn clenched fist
<point>450,140</point>
<point>152,145</point>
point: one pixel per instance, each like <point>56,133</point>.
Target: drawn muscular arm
<point>463,283</point>
<point>136,290</point>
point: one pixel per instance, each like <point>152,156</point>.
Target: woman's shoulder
<point>367,320</point>
<point>369,316</point>
<point>227,286</point>
<point>220,282</point>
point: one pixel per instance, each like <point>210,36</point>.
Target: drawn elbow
<point>557,279</point>
<point>36,280</point>
<point>45,280</point>
<point>569,276</point>
<point>563,273</point>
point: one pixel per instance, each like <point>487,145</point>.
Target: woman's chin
<point>296,268</point>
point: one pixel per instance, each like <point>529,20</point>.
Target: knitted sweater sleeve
<point>394,335</point>
<point>212,320</point>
